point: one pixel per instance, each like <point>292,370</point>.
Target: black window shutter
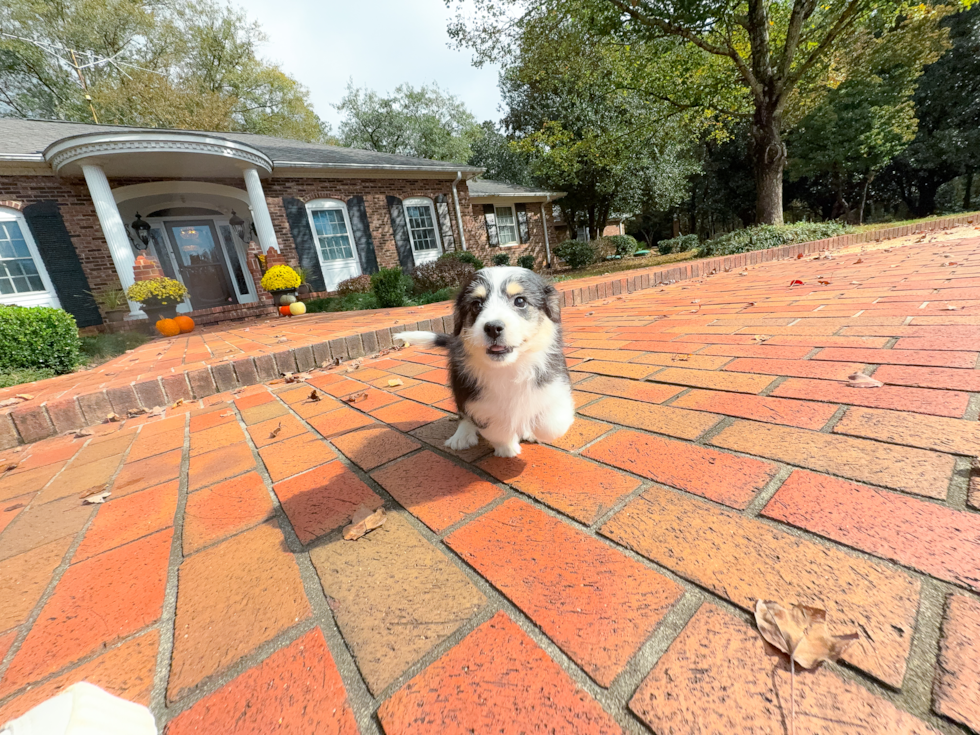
<point>361,231</point>
<point>62,263</point>
<point>491,221</point>
<point>399,227</point>
<point>306,247</point>
<point>445,223</point>
<point>522,231</point>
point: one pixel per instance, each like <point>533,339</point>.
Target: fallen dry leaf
<point>24,396</point>
<point>139,411</point>
<point>799,255</point>
<point>363,521</point>
<point>82,432</point>
<point>680,358</point>
<point>112,418</point>
<point>951,307</point>
<point>178,402</point>
<point>860,380</point>
<point>354,366</point>
<point>824,283</point>
<point>226,414</point>
<point>796,282</point>
<point>157,411</point>
<point>355,397</point>
<point>97,498</point>
<point>8,402</point>
<point>275,432</point>
<point>282,339</point>
<point>761,338</point>
<point>314,396</point>
<point>589,313</point>
<point>297,377</point>
<point>395,382</point>
<point>801,632</point>
<point>858,261</point>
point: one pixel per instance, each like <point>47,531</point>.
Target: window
<point>422,225</point>
<point>506,225</point>
<point>331,227</point>
<point>23,280</point>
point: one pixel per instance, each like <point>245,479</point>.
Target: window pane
<point>422,227</point>
<point>18,272</point>
<point>506,226</point>
<point>332,236</point>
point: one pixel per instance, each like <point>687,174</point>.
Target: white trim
<point>154,188</point>
<point>68,150</point>
<point>517,233</point>
<point>260,212</point>
<point>427,255</point>
<point>334,271</point>
<point>47,297</point>
<point>459,212</point>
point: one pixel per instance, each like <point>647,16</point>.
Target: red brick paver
<point>602,583</point>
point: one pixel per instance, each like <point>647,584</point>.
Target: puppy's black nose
<point>493,329</point>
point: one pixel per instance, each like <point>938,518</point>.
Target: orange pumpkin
<point>168,328</point>
<point>284,310</point>
<point>185,323</point>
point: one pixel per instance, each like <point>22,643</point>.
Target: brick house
<point>75,198</point>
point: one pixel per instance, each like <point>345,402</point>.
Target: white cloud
<point>377,43</point>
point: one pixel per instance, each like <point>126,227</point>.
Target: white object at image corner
<point>83,709</point>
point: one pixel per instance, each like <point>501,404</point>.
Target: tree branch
<point>846,19</point>
<point>802,10</point>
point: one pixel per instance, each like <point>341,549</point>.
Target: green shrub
<point>770,236</point>
<point>357,284</point>
<point>440,274</point>
<point>576,254</point>
<point>390,286</point>
<point>679,244</point>
<point>431,297</point>
<point>38,337</point>
<point>350,302</point>
<point>625,245</point>
<point>526,261</point>
<point>464,256</point>
<point>501,259</point>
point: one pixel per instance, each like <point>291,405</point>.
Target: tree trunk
<point>968,194</point>
<point>768,161</point>
<point>592,232</point>
<point>926,204</point>
<point>864,197</point>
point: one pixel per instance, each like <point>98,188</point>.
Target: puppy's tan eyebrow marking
<point>514,288</point>
<point>480,291</point>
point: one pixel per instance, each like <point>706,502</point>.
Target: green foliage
<point>349,302</point>
<point>425,122</point>
<point>357,284</point>
<point>17,376</point>
<point>38,337</point>
<point>176,64</point>
<point>390,286</point>
<point>492,151</point>
<point>463,255</point>
<point>576,254</point>
<point>526,261</point>
<point>441,274</point>
<point>770,236</point>
<point>101,347</point>
<point>679,244</point>
<point>431,297</point>
<point>501,259</point>
<point>625,245</point>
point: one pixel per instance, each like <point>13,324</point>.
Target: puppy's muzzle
<point>494,330</point>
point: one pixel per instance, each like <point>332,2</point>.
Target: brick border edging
<point>32,423</point>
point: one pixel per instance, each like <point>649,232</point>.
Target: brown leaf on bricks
<point>178,402</point>
<point>951,307</point>
<point>363,521</point>
<point>112,418</point>
<point>858,261</point>
<point>24,396</point>
<point>801,632</point>
<point>314,396</point>
<point>395,382</point>
<point>681,358</point>
<point>356,365</point>
<point>824,283</point>
<point>139,411</point>
<point>860,380</point>
<point>355,397</point>
<point>97,498</point>
<point>82,432</point>
<point>275,432</point>
<point>297,377</point>
<point>589,313</point>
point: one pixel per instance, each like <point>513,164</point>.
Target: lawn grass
<point>16,376</point>
<point>99,348</point>
<point>614,266</point>
<point>900,223</point>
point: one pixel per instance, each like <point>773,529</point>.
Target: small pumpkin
<point>284,310</point>
<point>287,298</point>
<point>297,308</point>
<point>168,327</point>
<point>185,323</point>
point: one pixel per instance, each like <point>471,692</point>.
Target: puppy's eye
<point>520,302</point>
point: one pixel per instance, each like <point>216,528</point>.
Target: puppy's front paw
<point>530,438</point>
<point>507,450</point>
<point>464,438</point>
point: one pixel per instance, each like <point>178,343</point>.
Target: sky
<point>378,44</point>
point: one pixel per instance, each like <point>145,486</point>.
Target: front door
<point>197,251</point>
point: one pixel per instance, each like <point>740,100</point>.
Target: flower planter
<point>156,312</point>
<point>277,294</point>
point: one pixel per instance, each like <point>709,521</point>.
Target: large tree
<point>172,63</point>
<point>493,151</point>
<point>765,60</point>
<point>425,122</point>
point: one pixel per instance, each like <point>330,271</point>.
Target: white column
<point>112,227</point>
<point>260,211</point>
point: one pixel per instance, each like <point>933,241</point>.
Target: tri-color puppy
<point>506,365</point>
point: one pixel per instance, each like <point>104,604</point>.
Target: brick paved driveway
<point>599,585</point>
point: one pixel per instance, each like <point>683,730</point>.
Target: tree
<point>947,104</point>
<point>765,60</point>
<point>177,64</point>
<point>424,122</point>
<point>865,122</point>
<point>503,162</point>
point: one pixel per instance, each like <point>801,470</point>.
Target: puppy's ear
<point>552,303</point>
<point>459,310</point>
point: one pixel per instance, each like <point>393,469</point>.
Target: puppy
<point>506,365</point>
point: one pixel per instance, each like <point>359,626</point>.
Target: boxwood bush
<point>357,284</point>
<point>439,274</point>
<point>679,244</point>
<point>625,245</point>
<point>463,255</point>
<point>390,286</point>
<point>38,337</point>
<point>526,261</point>
<point>576,254</point>
<point>501,259</point>
<point>770,236</point>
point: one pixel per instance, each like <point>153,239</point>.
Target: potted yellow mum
<point>159,297</point>
<point>280,281</point>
